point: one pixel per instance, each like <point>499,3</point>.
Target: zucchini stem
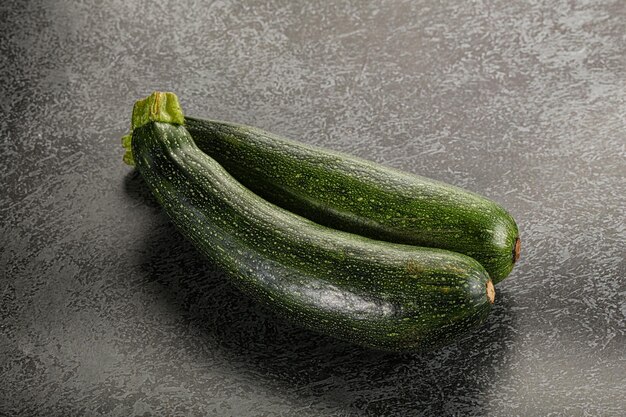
<point>157,107</point>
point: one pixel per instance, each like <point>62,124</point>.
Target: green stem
<point>157,107</point>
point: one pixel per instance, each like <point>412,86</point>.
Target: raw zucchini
<point>362,197</point>
<point>373,293</point>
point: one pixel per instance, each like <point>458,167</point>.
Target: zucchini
<point>362,197</point>
<point>373,293</point>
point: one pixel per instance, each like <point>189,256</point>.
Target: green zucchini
<point>373,293</point>
<point>362,197</point>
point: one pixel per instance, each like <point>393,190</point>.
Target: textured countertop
<point>106,310</point>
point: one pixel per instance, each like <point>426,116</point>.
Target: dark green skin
<point>362,197</point>
<point>373,293</point>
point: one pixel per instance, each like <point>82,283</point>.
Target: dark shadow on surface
<point>455,380</point>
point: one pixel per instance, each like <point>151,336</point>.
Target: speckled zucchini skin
<point>378,294</point>
<point>362,197</point>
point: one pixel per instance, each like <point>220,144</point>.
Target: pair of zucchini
<point>261,206</point>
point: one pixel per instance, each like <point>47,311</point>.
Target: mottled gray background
<point>106,310</point>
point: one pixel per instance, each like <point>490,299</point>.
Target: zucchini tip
<point>517,249</point>
<point>491,292</point>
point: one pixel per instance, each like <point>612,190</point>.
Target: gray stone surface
<point>106,310</point>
